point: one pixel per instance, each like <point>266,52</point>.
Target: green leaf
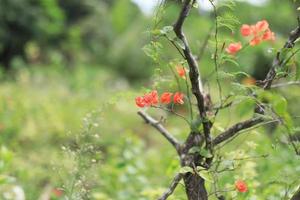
<point>194,149</point>
<point>179,43</point>
<point>196,124</point>
<point>156,32</point>
<point>205,175</point>
<point>205,153</point>
<point>241,73</point>
<point>199,168</point>
<point>196,5</point>
<point>280,105</point>
<point>165,30</point>
<point>186,169</point>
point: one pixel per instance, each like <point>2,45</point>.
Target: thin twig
<point>172,187</point>
<point>285,84</point>
<point>158,126</point>
<point>175,113</point>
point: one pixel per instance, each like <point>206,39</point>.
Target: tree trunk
<point>194,187</point>
<point>194,184</point>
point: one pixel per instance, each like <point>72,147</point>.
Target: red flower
<point>154,97</point>
<point>57,192</point>
<point>260,32</point>
<point>181,71</point>
<point>149,99</point>
<point>139,101</point>
<point>268,35</point>
<point>262,25</point>
<point>166,98</point>
<point>178,98</point>
<point>246,30</point>
<point>255,41</point>
<point>233,48</point>
<point>241,186</point>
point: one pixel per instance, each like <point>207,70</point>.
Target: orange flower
<point>178,98</point>
<point>262,25</point>
<point>255,41</point>
<point>181,71</point>
<point>246,30</point>
<point>154,97</point>
<point>166,97</point>
<point>268,35</point>
<point>260,32</point>
<point>151,98</point>
<point>233,48</point>
<point>241,186</point>
<point>139,101</point>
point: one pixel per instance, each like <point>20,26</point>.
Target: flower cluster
<point>152,99</point>
<point>241,186</point>
<point>258,32</point>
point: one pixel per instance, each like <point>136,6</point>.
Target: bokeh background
<point>69,72</point>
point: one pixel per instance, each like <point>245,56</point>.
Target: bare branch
<point>286,84</point>
<point>234,130</point>
<point>194,74</point>
<point>157,125</point>
<point>172,187</point>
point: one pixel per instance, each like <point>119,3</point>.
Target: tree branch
<point>234,130</point>
<point>290,43</point>
<point>194,74</point>
<point>286,84</point>
<point>172,187</point>
<point>157,125</point>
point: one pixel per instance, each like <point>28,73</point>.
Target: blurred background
<point>69,72</point>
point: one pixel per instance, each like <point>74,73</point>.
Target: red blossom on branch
<point>259,32</point>
<point>181,71</point>
<point>166,98</point>
<point>233,48</point>
<point>178,98</point>
<point>151,99</point>
<point>148,99</point>
<point>241,186</point>
<point>246,30</point>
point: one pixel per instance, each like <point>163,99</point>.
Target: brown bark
<point>195,187</point>
<point>194,184</point>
